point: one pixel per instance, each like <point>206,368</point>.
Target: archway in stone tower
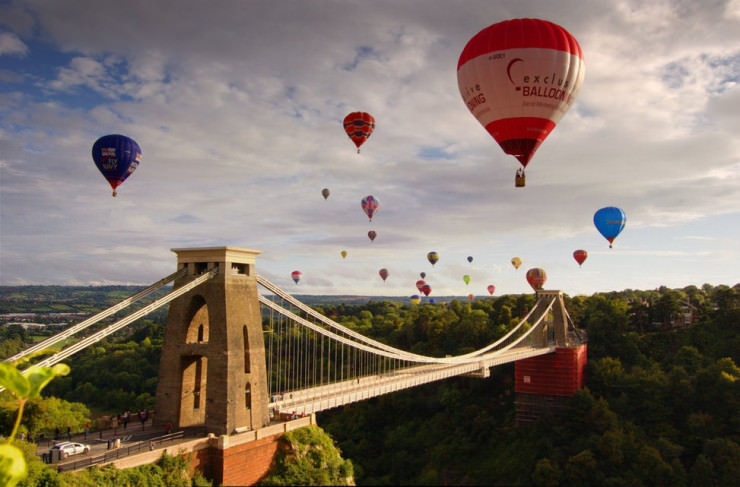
<point>194,367</point>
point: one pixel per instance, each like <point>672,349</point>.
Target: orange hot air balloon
<point>383,274</point>
<point>359,126</point>
<point>371,235</point>
<point>471,296</point>
<point>518,78</point>
<point>580,256</point>
<point>536,278</point>
<point>343,254</point>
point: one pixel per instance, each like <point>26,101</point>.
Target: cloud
<point>12,45</point>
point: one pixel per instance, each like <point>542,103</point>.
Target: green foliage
<point>308,457</point>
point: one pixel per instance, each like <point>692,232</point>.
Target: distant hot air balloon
<point>426,289</point>
<point>516,262</point>
<point>471,296</point>
<point>466,278</point>
<point>359,126</point>
<point>415,298</point>
<point>470,258</point>
<point>518,78</point>
<point>580,256</point>
<point>383,274</point>
<point>536,278</point>
<point>609,222</point>
<point>433,257</point>
<point>370,206</point>
<point>296,276</point>
<point>344,254</point>
<point>325,193</point>
<point>116,157</point>
<point>371,235</point>
<point>422,275</point>
<point>491,288</point>
<point>420,284</point>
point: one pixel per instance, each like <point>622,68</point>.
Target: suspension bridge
<point>240,353</point>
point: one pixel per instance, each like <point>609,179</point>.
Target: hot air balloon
<point>370,205</point>
<point>518,78</point>
<point>491,288</point>
<point>359,126</point>
<point>466,278</point>
<point>422,275</point>
<point>420,284</point>
<point>415,299</point>
<point>383,274</point>
<point>296,276</point>
<point>116,157</point>
<point>580,256</point>
<point>371,235</point>
<point>344,254</point>
<point>470,258</point>
<point>536,278</point>
<point>426,289</point>
<point>516,262</point>
<point>471,296</point>
<point>325,193</point>
<point>433,257</point>
<point>609,222</point>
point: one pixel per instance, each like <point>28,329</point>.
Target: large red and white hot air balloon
<point>518,78</point>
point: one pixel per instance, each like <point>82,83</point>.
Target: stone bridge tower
<point>212,367</point>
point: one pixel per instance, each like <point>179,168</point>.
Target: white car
<point>68,448</point>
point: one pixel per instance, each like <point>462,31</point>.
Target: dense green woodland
<point>662,405</point>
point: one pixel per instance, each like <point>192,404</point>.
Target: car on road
<point>68,448</point>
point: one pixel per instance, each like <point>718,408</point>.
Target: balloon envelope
<point>420,284</point>
<point>344,253</point>
<point>516,262</point>
<point>471,296</point>
<point>325,193</point>
<point>609,222</point>
<point>466,278</point>
<point>422,275</point>
<point>426,289</point>
<point>383,274</point>
<point>580,256</point>
<point>433,257</point>
<point>116,157</point>
<point>518,78</point>
<point>470,258</point>
<point>415,298</point>
<point>536,278</point>
<point>370,205</point>
<point>491,288</point>
<point>371,235</point>
<point>296,276</point>
<point>359,126</point>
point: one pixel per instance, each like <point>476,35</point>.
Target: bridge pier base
<point>543,384</point>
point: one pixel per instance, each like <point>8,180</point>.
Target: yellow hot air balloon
<point>516,262</point>
<point>344,254</point>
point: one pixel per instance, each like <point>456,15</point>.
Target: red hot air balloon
<point>370,205</point>
<point>359,126</point>
<point>296,276</point>
<point>580,256</point>
<point>371,235</point>
<point>536,278</point>
<point>420,284</point>
<point>383,274</point>
<point>491,288</point>
<point>518,78</point>
<point>426,289</point>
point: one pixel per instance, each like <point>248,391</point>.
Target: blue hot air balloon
<point>609,222</point>
<point>116,157</point>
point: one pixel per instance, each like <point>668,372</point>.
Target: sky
<point>238,109</point>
